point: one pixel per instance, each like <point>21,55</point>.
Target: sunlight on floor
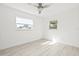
<point>50,42</point>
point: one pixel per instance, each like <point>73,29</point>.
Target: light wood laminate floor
<point>41,48</point>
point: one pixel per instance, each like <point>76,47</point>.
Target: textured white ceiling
<point>47,12</point>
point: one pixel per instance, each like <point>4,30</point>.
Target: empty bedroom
<point>39,29</point>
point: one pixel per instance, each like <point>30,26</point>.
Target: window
<point>23,23</point>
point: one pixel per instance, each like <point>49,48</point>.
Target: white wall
<point>9,36</point>
<point>68,27</point>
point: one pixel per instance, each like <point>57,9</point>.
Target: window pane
<point>23,23</point>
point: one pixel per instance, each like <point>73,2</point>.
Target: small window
<point>23,23</point>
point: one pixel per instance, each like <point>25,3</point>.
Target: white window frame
<point>24,23</point>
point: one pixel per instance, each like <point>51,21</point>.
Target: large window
<point>24,23</point>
